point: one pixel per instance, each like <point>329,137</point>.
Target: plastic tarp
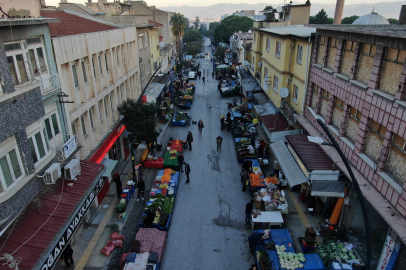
<point>313,262</point>
<point>290,168</point>
<point>152,240</point>
<point>328,188</point>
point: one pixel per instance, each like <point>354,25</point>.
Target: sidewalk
<point>92,239</point>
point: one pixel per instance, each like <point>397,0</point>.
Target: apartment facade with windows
<point>357,88</point>
<point>32,127</point>
<point>98,71</point>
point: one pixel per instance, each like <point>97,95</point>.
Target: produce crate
<point>167,224</point>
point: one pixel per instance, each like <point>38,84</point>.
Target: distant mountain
<point>214,12</point>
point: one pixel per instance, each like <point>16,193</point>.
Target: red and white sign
<point>386,253</point>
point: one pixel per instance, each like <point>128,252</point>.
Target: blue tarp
<point>313,262</point>
<point>235,114</point>
<point>239,139</point>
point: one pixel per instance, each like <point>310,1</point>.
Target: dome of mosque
<point>371,19</point>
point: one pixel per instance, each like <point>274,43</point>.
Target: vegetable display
<point>263,260</point>
<point>289,260</point>
<point>331,250</point>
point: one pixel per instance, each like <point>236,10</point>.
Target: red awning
<point>104,148</point>
<point>44,218</point>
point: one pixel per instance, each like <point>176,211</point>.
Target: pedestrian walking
<point>141,189</point>
<point>200,125</point>
<point>181,158</point>
<point>212,75</point>
<point>219,141</point>
<point>189,140</point>
<point>119,185</point>
<point>219,87</point>
<point>187,171</point>
<point>245,180</point>
<point>204,79</point>
<point>228,124</point>
<point>229,116</point>
<point>221,93</point>
<point>67,256</point>
<point>248,212</point>
<point>222,122</point>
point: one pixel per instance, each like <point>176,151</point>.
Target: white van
<point>192,75</point>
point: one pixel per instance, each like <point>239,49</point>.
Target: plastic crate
<point>131,257</point>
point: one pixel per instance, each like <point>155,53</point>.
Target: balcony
<point>49,83</point>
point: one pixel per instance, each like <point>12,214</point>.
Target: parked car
<point>207,53</point>
<point>192,75</point>
<point>201,55</point>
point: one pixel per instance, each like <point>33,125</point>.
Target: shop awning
<point>42,231</point>
<point>110,165</point>
<point>328,188</point>
<point>290,169</point>
<point>104,148</point>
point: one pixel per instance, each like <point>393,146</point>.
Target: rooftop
<point>371,19</point>
<point>299,31</point>
<point>72,24</point>
<point>391,30</point>
<point>156,24</point>
<point>275,122</point>
<point>244,35</point>
<point>26,21</point>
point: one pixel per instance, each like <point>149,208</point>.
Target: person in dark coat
<point>261,149</point>
<point>181,159</point>
<point>248,212</point>
<point>200,125</point>
<point>204,80</point>
<point>228,124</point>
<point>222,122</point>
<point>187,171</point>
<point>141,188</point>
<point>244,178</point>
<point>219,141</point>
<point>252,138</point>
<point>67,256</point>
<point>247,166</point>
<point>228,116</point>
<point>254,239</point>
<point>119,185</point>
<point>189,139</point>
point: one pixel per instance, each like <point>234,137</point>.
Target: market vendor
<point>255,239</point>
<point>247,166</point>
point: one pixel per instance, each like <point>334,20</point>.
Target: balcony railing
<point>49,84</point>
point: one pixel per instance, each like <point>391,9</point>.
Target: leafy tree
<point>203,28</point>
<point>393,21</point>
<point>193,48</point>
<point>197,21</point>
<point>321,18</point>
<point>192,35</point>
<point>179,23</point>
<point>213,25</point>
<point>349,20</point>
<point>144,128</point>
<point>268,8</point>
<point>220,52</point>
<point>230,25</point>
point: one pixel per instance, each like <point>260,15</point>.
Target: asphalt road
<point>207,228</point>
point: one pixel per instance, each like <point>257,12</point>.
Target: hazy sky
<point>165,3</point>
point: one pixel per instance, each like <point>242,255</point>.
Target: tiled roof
<point>313,157</point>
<point>275,122</point>
<point>161,38</point>
<point>72,25</point>
<point>38,212</point>
<point>156,24</point>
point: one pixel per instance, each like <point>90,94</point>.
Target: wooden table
<point>271,217</point>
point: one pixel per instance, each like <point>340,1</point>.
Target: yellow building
<point>154,38</point>
<point>282,59</point>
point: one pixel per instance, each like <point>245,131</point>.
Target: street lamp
<point>334,144</point>
<point>133,123</point>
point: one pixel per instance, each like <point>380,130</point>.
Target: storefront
<point>41,233</point>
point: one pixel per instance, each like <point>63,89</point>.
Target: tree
<point>220,52</point>
<point>193,48</point>
<point>393,21</point>
<point>349,20</point>
<point>192,36</point>
<point>213,25</point>
<point>197,22</point>
<point>320,18</point>
<point>230,25</point>
<point>268,8</point>
<point>144,128</point>
<point>179,23</point>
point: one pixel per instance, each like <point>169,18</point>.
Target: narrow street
<point>207,228</point>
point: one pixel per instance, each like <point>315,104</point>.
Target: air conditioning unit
<point>52,173</point>
<point>72,169</point>
<point>276,165</point>
<point>259,64</point>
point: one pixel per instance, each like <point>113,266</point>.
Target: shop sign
<point>69,147</point>
<point>386,253</point>
<point>79,215</point>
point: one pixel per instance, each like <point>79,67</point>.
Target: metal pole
<point>359,194</point>
<point>133,124</point>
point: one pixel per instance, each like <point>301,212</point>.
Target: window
<point>255,37</point>
<point>37,147</point>
<point>338,111</point>
<point>140,42</point>
<point>354,119</point>
<point>156,39</point>
<point>155,65</point>
<point>105,107</point>
<point>278,49</point>
<point>10,169</point>
<point>107,65</point>
<point>397,152</point>
<point>332,51</point>
<point>84,71</point>
<point>299,54</point>
<point>365,63</point>
<point>51,132</point>
<point>100,66</point>
<point>325,95</point>
<point>392,67</point>
<point>268,44</point>
<point>148,66</point>
<point>111,102</point>
<point>75,76</point>
<point>321,50</point>
<point>82,121</point>
<point>374,140</point>
<point>73,129</point>
<point>152,41</point>
<point>91,118</point>
<point>94,68</point>
<point>146,40</point>
<point>348,57</point>
<point>118,62</point>
<point>275,83</point>
<point>100,111</point>
<point>295,92</point>
<point>142,72</point>
<point>18,69</point>
<point>265,79</point>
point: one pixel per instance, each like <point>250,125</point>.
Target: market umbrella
<point>222,66</point>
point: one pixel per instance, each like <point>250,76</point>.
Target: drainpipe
<point>290,62</point>
<point>305,84</point>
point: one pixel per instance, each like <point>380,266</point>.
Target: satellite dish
<point>284,92</point>
<point>261,17</point>
<point>279,9</point>
<point>249,31</point>
<point>162,44</point>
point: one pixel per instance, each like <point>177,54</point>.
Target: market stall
<point>171,159</point>
<point>152,240</point>
<point>181,119</point>
<point>244,149</point>
<point>257,180</point>
<point>154,163</point>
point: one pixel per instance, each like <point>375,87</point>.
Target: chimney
<point>402,15</point>
<point>338,14</point>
